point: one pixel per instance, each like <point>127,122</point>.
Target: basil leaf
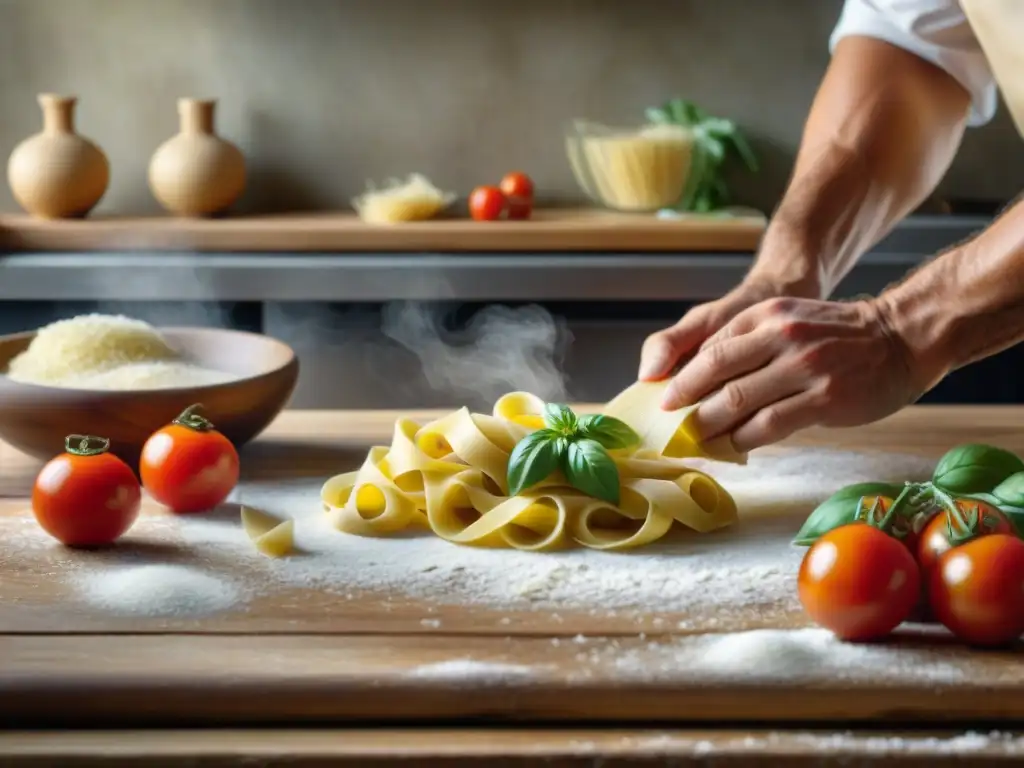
<point>714,149</point>
<point>744,150</point>
<point>681,111</point>
<point>1016,518</point>
<point>975,468</point>
<point>840,509</point>
<point>589,468</point>
<point>657,115</point>
<point>534,458</point>
<point>559,417</point>
<point>1011,490</point>
<point>720,127</point>
<point>1014,512</point>
<point>608,431</point>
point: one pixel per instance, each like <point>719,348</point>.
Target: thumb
<point>664,349</point>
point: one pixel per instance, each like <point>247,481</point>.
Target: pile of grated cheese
<point>107,352</point>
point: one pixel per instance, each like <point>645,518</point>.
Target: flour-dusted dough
<point>667,433</point>
<point>271,536</point>
<point>449,476</point>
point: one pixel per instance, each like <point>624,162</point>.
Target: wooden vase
<point>58,174</point>
<point>197,173</point>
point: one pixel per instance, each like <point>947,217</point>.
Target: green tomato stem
<point>86,445</point>
<point>948,503</point>
<point>192,419</point>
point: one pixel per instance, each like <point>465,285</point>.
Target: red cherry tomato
<point>858,582</point>
<point>934,539</point>
<point>874,509</point>
<point>188,465</point>
<point>517,184</point>
<point>520,208</point>
<point>487,203</point>
<point>518,189</point>
<point>977,590</point>
<point>86,497</point>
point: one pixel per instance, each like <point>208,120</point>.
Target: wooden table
<point>320,679</point>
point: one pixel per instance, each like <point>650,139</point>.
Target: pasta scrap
<point>271,536</point>
<point>449,477</point>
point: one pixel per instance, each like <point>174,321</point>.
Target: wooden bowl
<point>36,419</point>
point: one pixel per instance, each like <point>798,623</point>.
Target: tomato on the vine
<point>487,203</point>
<point>875,510</point>
<point>976,590</point>
<point>87,496</point>
<point>983,519</point>
<point>188,465</point>
<point>859,582</point>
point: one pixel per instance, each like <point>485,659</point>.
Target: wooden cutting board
<point>305,654</point>
<point>580,230</point>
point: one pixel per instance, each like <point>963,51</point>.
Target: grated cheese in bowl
<point>106,352</point>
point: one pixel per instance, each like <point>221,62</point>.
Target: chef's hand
<point>786,364</point>
<point>663,350</point>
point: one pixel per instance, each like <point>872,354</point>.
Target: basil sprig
<point>577,445</point>
<point>975,468</point>
<point>715,139</point>
<point>966,472</point>
<point>841,508</point>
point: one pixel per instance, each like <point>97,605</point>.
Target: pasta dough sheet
<point>449,477</point>
<point>667,433</point>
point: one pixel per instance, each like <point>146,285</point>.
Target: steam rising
<point>500,350</point>
<point>353,357</point>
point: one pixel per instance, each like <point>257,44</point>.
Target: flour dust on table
<point>686,580</point>
<point>159,590</point>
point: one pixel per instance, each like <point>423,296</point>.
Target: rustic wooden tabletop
<point>320,670</point>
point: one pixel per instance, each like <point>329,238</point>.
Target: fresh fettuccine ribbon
<point>449,476</point>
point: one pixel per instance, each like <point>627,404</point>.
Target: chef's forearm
<point>883,129</point>
<point>963,306</point>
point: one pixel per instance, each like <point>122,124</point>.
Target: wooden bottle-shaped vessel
<point>58,174</point>
<point>197,173</point>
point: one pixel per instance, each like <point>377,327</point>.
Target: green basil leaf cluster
<point>973,471</point>
<point>578,446</point>
<point>1008,498</point>
<point>1011,490</point>
<point>715,140</point>
<point>841,508</point>
<point>975,468</point>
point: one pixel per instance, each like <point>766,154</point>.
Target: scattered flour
<point>704,576</point>
<point>157,590</point>
<point>468,670</point>
<point>832,744</point>
<point>784,655</point>
<point>751,564</point>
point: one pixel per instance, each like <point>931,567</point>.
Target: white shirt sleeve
<point>937,31</point>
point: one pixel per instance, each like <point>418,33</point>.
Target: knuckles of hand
<point>735,397</point>
<point>779,306</point>
<point>769,421</point>
<point>715,356</point>
<point>792,329</point>
<point>813,358</point>
<point>828,390</point>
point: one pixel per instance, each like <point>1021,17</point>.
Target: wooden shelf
<point>580,230</point>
